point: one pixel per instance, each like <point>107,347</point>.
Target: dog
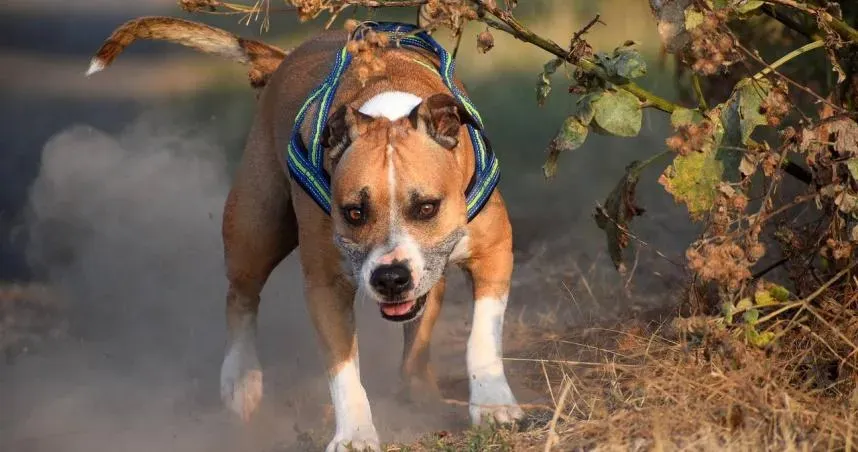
<point>398,151</point>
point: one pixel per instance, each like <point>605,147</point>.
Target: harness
<point>306,165</point>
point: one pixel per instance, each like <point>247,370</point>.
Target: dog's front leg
<point>332,310</point>
<point>491,397</point>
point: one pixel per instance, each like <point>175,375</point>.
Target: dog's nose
<point>391,280</point>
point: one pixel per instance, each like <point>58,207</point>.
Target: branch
<point>790,23</point>
<point>840,27</point>
<point>510,25</point>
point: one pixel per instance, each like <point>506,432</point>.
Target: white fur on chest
<point>392,105</point>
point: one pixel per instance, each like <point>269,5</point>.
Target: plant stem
<point>511,26</point>
<point>784,59</point>
<point>790,23</point>
<point>698,91</point>
<point>842,28</point>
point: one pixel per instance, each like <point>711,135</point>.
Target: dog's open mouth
<point>403,311</point>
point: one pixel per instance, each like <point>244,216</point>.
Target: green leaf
<point>760,340</point>
<point>619,209</point>
<point>741,115</point>
<point>543,83</point>
<point>779,293</point>
<point>693,179</point>
<point>584,110</point>
<point>627,63</point>
<point>744,7</point>
<point>571,135</point>
<point>618,113</point>
<point>727,309</point>
<point>763,298</point>
<point>684,116</point>
<point>745,303</point>
<point>751,316</point>
<point>693,18</point>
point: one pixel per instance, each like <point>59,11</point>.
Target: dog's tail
<point>262,58</point>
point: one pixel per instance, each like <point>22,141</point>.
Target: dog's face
<point>398,204</point>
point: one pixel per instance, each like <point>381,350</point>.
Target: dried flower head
<point>485,41</point>
<point>711,48</point>
<point>691,137</point>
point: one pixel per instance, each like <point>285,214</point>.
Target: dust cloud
<point>127,229</point>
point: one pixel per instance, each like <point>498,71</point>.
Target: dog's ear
<point>440,116</point>
<point>344,126</point>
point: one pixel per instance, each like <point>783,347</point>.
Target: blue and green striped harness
<point>306,166</point>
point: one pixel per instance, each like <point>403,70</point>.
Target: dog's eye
<point>355,216</point>
<point>427,210</point>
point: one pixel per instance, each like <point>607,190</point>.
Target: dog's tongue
<point>397,309</point>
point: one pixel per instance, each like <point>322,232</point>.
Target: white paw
<point>492,401</point>
<point>241,382</point>
<point>356,441</point>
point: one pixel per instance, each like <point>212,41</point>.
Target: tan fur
<point>262,58</point>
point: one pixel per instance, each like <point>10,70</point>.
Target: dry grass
<point>687,384</point>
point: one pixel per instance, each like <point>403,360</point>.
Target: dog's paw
<point>241,382</point>
<point>493,402</point>
<point>356,443</point>
<point>421,392</point>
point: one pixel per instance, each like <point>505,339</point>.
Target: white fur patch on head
<point>392,105</point>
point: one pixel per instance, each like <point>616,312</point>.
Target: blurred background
<point>111,192</point>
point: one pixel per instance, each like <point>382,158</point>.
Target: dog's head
<point>398,204</point>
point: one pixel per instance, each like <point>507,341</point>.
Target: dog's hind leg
<point>259,231</point>
<point>418,378</point>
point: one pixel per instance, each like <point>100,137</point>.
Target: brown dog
<point>400,160</point>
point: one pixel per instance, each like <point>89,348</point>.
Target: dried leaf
<point>617,213</point>
<point>846,202</point>
<point>748,165</point>
<point>571,135</point>
<point>852,165</point>
<point>618,113</point>
<point>845,133</point>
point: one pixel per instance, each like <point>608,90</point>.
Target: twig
<point>784,59</point>
<point>459,33</point>
<point>558,411</point>
<point>842,28</point>
<point>789,80</point>
<point>508,24</point>
<point>698,91</point>
<point>790,23</point>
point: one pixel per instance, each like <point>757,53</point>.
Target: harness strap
<point>306,166</point>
